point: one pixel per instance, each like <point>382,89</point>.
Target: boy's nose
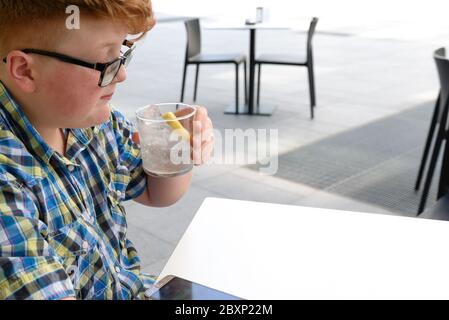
<point>121,75</point>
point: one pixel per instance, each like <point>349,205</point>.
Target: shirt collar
<point>78,139</point>
<point>85,136</point>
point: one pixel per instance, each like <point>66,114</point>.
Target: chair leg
<point>183,82</point>
<point>246,82</point>
<point>236,89</point>
<point>444,176</point>
<point>311,88</point>
<point>442,134</point>
<point>312,83</point>
<point>428,143</point>
<point>433,162</point>
<point>196,82</point>
<point>259,66</point>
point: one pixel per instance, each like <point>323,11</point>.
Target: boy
<point>67,160</point>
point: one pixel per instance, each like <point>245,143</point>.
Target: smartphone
<point>176,288</point>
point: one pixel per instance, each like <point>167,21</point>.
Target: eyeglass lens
<point>112,70</point>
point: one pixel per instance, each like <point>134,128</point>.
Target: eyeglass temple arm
<point>127,43</point>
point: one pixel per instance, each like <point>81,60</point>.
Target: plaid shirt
<point>62,224</point>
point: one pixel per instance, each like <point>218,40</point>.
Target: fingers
<point>204,153</point>
<point>203,139</point>
<point>203,142</point>
<point>207,151</point>
<point>201,114</point>
<point>208,132</point>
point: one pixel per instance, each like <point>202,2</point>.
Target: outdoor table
<point>270,251</point>
<point>251,108</point>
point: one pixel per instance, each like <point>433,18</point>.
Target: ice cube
<point>155,132</point>
<point>152,112</point>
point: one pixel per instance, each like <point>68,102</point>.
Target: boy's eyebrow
<point>108,44</point>
<point>125,42</point>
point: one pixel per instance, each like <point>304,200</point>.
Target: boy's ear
<point>19,68</point>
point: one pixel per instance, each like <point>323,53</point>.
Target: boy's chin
<point>101,115</point>
<point>105,117</point>
<point>104,111</point>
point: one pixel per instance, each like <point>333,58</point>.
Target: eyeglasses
<point>109,70</point>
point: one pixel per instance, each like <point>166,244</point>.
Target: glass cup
<point>166,131</point>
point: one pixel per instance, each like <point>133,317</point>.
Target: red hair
<point>20,19</point>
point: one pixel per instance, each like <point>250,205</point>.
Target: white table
<point>269,251</point>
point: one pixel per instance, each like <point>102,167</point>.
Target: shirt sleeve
<point>130,154</point>
<point>29,267</point>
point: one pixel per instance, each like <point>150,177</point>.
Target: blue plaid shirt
<point>62,223</point>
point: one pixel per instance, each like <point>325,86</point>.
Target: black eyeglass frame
<point>102,67</point>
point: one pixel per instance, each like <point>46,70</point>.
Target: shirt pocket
<point>76,244</point>
<point>73,239</point>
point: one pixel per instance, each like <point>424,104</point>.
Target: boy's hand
<point>203,136</point>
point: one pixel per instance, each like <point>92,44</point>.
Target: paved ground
<point>359,79</point>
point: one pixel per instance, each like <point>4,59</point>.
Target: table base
<point>260,110</point>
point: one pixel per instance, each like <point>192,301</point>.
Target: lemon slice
<point>176,125</point>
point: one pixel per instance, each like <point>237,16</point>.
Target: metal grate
<point>376,163</point>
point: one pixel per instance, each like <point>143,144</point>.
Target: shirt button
<point>119,193</point>
<point>72,271</point>
<point>85,246</point>
<point>71,168</point>
<point>117,269</point>
<point>148,293</point>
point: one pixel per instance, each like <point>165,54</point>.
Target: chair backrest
<point>442,63</point>
<point>193,38</point>
<point>310,34</point>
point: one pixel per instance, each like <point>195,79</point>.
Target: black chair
<point>195,57</point>
<point>440,118</point>
<point>289,60</point>
<point>429,139</point>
